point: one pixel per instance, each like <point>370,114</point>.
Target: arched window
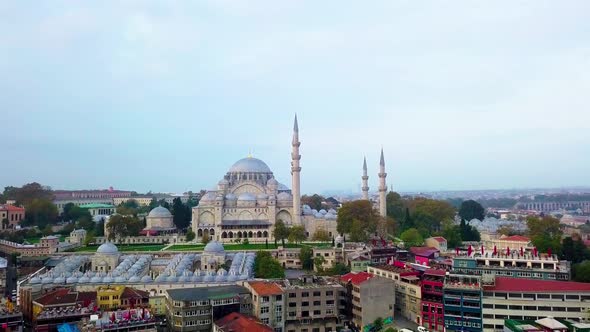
<point>223,235</point>
<point>200,233</point>
<point>259,234</point>
<point>239,235</point>
<point>211,231</point>
<point>231,235</point>
<point>249,234</point>
<point>265,234</point>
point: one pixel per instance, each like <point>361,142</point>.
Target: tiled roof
<point>423,251</point>
<point>132,293</point>
<point>516,238</point>
<point>236,322</point>
<point>356,278</point>
<point>11,208</point>
<point>440,239</point>
<point>264,288</point>
<point>65,297</point>
<point>532,285</point>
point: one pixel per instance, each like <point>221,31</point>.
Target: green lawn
<point>126,247</point>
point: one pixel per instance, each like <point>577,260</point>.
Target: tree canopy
<point>181,214</point>
<point>545,233</point>
<point>120,226</point>
<point>306,257</point>
<point>297,234</point>
<point>27,193</point>
<point>357,218</point>
<point>321,235</point>
<point>314,201</point>
<point>280,232</point>
<point>40,212</point>
<point>412,237</point>
<point>581,271</point>
<point>266,266</point>
<point>471,209</point>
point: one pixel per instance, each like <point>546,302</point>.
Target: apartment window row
<point>225,301</point>
<point>544,297</point>
<point>532,308</point>
<point>197,322</point>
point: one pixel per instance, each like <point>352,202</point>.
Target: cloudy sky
<point>166,95</point>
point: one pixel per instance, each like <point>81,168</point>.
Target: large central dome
<point>250,165</point>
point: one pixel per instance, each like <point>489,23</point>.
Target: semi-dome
<point>214,247</point>
<point>284,196</point>
<point>250,165</point>
<point>108,248</point>
<point>246,197</point>
<point>160,212</point>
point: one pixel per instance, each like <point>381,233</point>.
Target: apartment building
<point>268,303</point>
<point>514,265</point>
<point>331,256</point>
<point>195,309</point>
<point>368,297</point>
<point>522,299</point>
<point>313,304</point>
<point>432,299</point>
<point>462,303</point>
<point>235,322</point>
<point>289,258</point>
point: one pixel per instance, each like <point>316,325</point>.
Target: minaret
<point>382,186</point>
<point>295,174</point>
<point>365,178</point>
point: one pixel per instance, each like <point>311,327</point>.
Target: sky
<point>167,95</point>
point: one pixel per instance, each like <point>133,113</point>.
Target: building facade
<point>10,216</point>
<point>462,303</point>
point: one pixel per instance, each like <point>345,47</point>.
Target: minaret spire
<point>382,186</point>
<point>365,178</point>
<point>295,174</point>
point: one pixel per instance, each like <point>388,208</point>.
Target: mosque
<point>249,201</point>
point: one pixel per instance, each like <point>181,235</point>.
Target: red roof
<point>265,288</point>
<point>435,272</point>
<point>506,284</point>
<point>516,238</point>
<point>236,322</point>
<point>11,208</point>
<point>439,239</point>
<point>356,278</point>
<point>423,251</point>
<point>65,296</point>
<point>132,293</point>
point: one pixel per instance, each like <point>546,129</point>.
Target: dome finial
<point>250,153</point>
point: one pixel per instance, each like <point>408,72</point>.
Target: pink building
<point>13,214</point>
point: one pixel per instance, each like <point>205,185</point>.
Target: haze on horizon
<point>166,96</point>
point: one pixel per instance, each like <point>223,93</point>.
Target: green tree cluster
<point>412,237</point>
<point>574,250</point>
<point>471,209</point>
<point>40,212</point>
<point>181,213</point>
<point>306,257</point>
<point>314,201</point>
<point>190,235</point>
<point>266,266</point>
<point>359,219</point>
<point>297,234</point>
<point>581,271</point>
<point>321,235</point>
<point>545,233</point>
<point>121,226</point>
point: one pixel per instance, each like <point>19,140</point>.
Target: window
<point>305,294</point>
<point>292,304</point>
<point>265,321</point>
<point>305,304</point>
<point>501,306</point>
<point>264,310</point>
<point>317,293</point>
<point>329,293</point>
<point>264,299</point>
<point>292,295</point>
<point>279,297</point>
<point>317,312</point>
<point>317,302</point>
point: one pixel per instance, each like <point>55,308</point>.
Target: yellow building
<point>158,305</point>
<point>109,297</point>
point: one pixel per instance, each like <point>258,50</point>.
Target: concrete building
<point>60,306</point>
<point>121,297</point>
<point>61,203</point>
<point>437,242</point>
<point>98,210</point>
<point>196,309</point>
<point>370,297</point>
<point>159,221</point>
<point>432,299</point>
<point>85,194</point>
<point>10,216</point>
<point>268,303</point>
<point>77,237</point>
<point>313,303</point>
<point>522,299</point>
<point>462,303</point>
<point>330,257</point>
<point>515,265</point>
<point>289,258</point>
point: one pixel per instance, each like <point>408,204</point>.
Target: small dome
<point>120,279</point>
<point>272,182</point>
<point>318,215</point>
<point>223,182</point>
<point>160,212</point>
<point>96,279</point>
<point>322,211</point>
<point>146,278</point>
<point>72,280</point>
<point>214,247</point>
<point>209,196</point>
<point>250,165</point>
<point>108,248</point>
<point>246,197</point>
<point>84,279</point>
<point>284,196</point>
<point>306,207</point>
<point>332,211</point>
<point>262,197</point>
<point>135,279</point>
<point>108,279</point>
<point>231,197</point>
<point>35,280</point>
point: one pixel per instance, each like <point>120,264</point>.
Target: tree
<point>321,235</point>
<point>297,234</point>
<point>26,194</point>
<point>85,222</point>
<point>266,266</point>
<point>281,232</point>
<point>395,205</point>
<point>430,213</point>
<point>378,324</point>
<point>357,232</point>
<point>390,329</point>
<point>581,271</point>
<point>99,229</point>
<point>5,223</point>
<point>306,257</point>
<point>47,230</point>
<point>120,226</point>
<point>40,212</point>
<point>190,235</point>
<point>90,238</point>
<point>452,233</point>
<point>181,214</point>
<point>318,263</point>
<point>574,250</point>
<point>153,203</point>
<point>471,209</point>
<point>545,233</point>
<point>205,238</point>
<point>314,201</point>
<point>361,210</point>
<point>468,232</point>
<point>412,237</point>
